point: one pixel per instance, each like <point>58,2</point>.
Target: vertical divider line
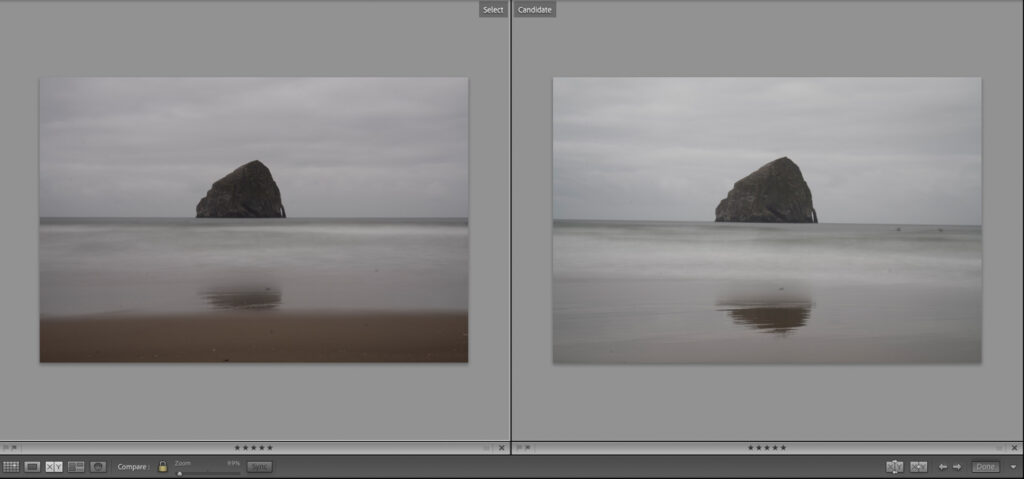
<point>511,85</point>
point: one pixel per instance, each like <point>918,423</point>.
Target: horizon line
<point>765,223</point>
<point>255,218</point>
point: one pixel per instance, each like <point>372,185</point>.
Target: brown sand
<point>262,336</point>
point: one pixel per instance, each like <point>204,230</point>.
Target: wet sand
<point>708,322</point>
<point>260,336</point>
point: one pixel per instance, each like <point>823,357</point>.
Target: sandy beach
<point>261,336</point>
<point>707,293</point>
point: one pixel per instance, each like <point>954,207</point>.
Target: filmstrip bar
<point>279,448</point>
<point>516,466</point>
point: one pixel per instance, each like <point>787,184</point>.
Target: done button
<point>985,466</point>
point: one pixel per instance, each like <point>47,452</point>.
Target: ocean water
<point>657,292</point>
<point>89,266</point>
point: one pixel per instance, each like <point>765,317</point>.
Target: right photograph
<point>749,220</point>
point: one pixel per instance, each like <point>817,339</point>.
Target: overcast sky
<point>872,150</point>
<point>337,147</point>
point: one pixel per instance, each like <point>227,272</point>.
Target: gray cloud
<point>337,147</point>
<point>873,150</point>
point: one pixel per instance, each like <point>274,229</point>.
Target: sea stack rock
<point>247,192</point>
<point>775,193</point>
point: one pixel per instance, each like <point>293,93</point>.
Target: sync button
<point>259,466</point>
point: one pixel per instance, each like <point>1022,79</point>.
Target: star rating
<point>270,448</point>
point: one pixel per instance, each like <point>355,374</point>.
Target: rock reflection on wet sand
<point>249,299</point>
<point>779,320</point>
<point>769,308</point>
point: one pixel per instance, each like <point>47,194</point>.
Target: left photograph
<point>254,220</point>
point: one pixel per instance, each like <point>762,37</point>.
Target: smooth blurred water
<point>752,293</point>
<point>178,265</point>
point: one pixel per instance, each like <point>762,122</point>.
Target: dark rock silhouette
<point>775,193</point>
<point>247,192</point>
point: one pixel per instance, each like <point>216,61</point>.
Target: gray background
<point>150,38</point>
<point>213,401</point>
<point>768,38</point>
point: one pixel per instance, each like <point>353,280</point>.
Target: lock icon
<point>161,467</point>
